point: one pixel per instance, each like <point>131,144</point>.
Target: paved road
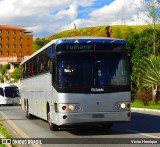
<point>143,125</point>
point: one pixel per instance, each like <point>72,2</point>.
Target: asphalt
<point>143,110</point>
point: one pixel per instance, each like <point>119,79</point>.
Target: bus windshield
<point>11,92</point>
<point>92,69</point>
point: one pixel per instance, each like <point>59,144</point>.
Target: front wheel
<point>28,115</point>
<point>52,126</point>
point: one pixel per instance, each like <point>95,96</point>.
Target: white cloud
<point>117,10</point>
<point>85,3</point>
<point>37,28</point>
<point>45,17</point>
<point>71,12</point>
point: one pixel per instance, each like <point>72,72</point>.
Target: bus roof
<point>2,85</point>
<point>89,39</point>
<point>78,39</point>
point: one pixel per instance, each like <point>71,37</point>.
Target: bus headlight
<point>70,108</point>
<point>123,105</point>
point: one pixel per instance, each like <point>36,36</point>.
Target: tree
<point>153,13</point>
<point>139,46</point>
<point>3,72</point>
<point>152,8</point>
<point>38,43</point>
<point>149,69</point>
<point>15,75</point>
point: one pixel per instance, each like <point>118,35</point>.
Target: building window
<point>20,39</point>
<point>7,39</point>
<point>14,39</point>
<point>20,53</point>
<point>7,53</point>
<point>20,46</point>
<point>0,45</point>
<point>7,46</point>
<point>20,32</point>
<point>14,53</point>
<point>0,53</point>
<point>0,38</point>
<point>0,31</point>
<point>14,32</point>
<point>7,32</point>
<point>14,46</point>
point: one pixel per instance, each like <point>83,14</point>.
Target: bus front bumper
<point>99,118</point>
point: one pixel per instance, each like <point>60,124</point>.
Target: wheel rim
<point>49,118</point>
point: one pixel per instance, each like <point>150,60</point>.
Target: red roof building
<point>15,45</point>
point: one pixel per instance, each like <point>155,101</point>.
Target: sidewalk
<point>145,110</point>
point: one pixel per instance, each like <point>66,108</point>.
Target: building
<point>15,45</point>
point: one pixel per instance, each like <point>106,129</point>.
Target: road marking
<point>19,131</point>
<point>148,135</point>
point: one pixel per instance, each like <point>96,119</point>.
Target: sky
<point>47,17</point>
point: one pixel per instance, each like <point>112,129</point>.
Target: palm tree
<point>3,72</point>
<point>149,73</point>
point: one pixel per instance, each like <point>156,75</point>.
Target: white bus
<point>9,94</point>
<point>78,80</point>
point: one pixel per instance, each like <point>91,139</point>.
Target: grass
<point>151,105</point>
<point>119,31</point>
<point>4,133</point>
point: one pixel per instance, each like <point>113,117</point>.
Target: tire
<point>28,115</point>
<point>52,126</point>
<point>107,126</point>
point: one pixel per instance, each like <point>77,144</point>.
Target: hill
<point>121,32</point>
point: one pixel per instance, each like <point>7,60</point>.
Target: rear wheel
<point>52,126</point>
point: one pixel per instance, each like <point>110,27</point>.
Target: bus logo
<point>97,89</point>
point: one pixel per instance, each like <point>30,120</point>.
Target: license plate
<point>98,115</point>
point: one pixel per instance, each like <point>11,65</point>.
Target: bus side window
<point>48,58</point>
<point>1,92</point>
<point>31,68</point>
<point>34,66</point>
<point>53,71</point>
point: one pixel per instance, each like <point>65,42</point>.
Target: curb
<point>146,110</point>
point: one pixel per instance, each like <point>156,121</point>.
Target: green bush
<point>144,96</point>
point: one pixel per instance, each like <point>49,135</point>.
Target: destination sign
<point>90,47</point>
<point>79,47</point>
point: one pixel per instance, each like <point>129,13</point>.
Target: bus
<point>9,94</point>
<point>76,81</point>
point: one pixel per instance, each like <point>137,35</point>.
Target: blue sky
<point>46,17</point>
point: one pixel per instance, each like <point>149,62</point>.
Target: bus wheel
<point>52,126</point>
<point>107,126</point>
<point>28,115</point>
